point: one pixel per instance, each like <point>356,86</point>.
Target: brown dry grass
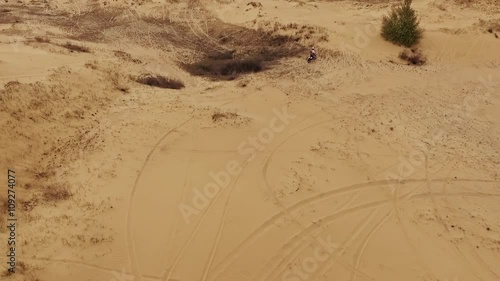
<point>165,32</point>
<point>125,56</point>
<point>479,4</point>
<point>75,48</point>
<point>227,69</point>
<point>56,192</point>
<point>305,34</point>
<point>218,116</point>
<point>160,81</point>
<point>7,16</point>
<point>227,50</point>
<point>89,25</point>
<point>413,57</point>
<point>254,4</point>
<point>41,39</point>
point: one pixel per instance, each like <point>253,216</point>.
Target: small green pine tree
<point>401,26</point>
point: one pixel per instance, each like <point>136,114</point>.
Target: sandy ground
<point>354,167</point>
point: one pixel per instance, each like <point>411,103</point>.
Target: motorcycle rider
<point>312,54</point>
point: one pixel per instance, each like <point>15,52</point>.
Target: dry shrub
<point>29,205</point>
<point>119,81</point>
<point>7,17</point>
<point>92,65</point>
<point>217,116</point>
<point>44,174</point>
<point>413,56</point>
<point>254,4</point>
<point>242,84</point>
<point>126,56</point>
<point>40,39</point>
<point>160,81</point>
<point>56,192</point>
<point>227,69</point>
<point>72,47</point>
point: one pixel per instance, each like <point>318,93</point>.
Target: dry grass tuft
<point>56,192</point>
<point>218,116</point>
<point>119,81</point>
<point>75,48</point>
<point>227,69</point>
<point>160,81</point>
<point>41,39</point>
<point>29,205</point>
<point>413,57</point>
<point>126,56</point>
<point>91,23</point>
<point>254,4</point>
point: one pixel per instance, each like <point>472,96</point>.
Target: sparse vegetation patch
<point>160,81</point>
<point>413,57</point>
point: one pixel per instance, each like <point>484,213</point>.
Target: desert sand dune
<point>358,166</point>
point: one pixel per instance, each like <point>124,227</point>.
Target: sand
<point>354,167</point>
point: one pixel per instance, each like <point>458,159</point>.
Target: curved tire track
<point>262,228</point>
<point>130,231</point>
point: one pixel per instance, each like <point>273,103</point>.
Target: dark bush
<point>160,81</point>
<point>40,39</point>
<point>401,26</point>
<point>72,47</point>
<point>227,69</point>
<point>56,192</point>
<point>414,56</point>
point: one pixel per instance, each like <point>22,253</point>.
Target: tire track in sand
<point>318,223</point>
<point>221,226</point>
<point>294,247</point>
<point>130,230</point>
<point>439,218</point>
<point>472,248</point>
<point>262,228</point>
<point>333,217</point>
<point>407,196</point>
<point>355,233</point>
<point>403,229</point>
<point>186,178</point>
<point>359,254</point>
<point>166,275</point>
<point>323,221</point>
<point>411,195</point>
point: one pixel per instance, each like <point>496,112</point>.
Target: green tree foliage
<point>401,26</point>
